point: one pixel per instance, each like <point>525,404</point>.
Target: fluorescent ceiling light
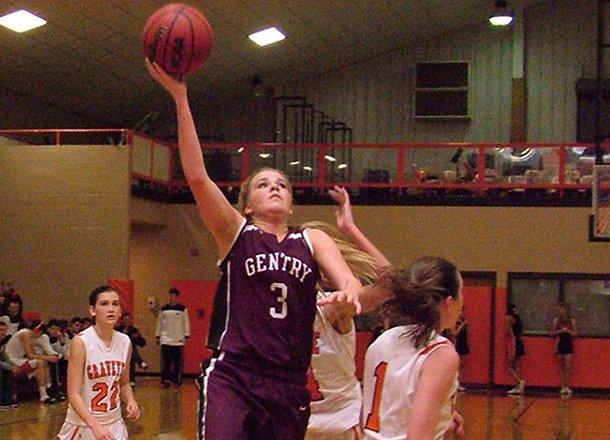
<point>21,21</point>
<point>501,16</point>
<point>267,36</point>
<point>265,155</point>
<point>307,168</point>
<point>295,162</point>
<point>329,158</point>
<point>240,150</point>
<point>342,166</point>
<point>501,20</point>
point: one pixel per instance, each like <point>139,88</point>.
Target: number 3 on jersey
<point>372,419</point>
<point>279,311</point>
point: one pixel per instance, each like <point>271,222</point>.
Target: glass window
<point>536,299</point>
<point>537,295</point>
<point>589,302</point>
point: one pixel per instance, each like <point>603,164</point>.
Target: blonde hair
<point>362,264</point>
<point>245,187</point>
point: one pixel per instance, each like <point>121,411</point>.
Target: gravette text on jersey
<point>106,368</point>
<point>277,261</point>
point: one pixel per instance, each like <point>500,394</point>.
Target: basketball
<point>178,38</point>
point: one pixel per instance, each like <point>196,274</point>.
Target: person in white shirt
<point>98,375</point>
<point>411,371</point>
<point>53,343</point>
<point>20,351</point>
<point>173,330</point>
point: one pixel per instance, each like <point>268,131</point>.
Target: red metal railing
<point>561,167</point>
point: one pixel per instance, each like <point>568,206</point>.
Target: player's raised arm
<point>370,297</point>
<point>335,268</point>
<point>218,214</point>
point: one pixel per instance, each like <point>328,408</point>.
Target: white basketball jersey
<point>15,349</point>
<point>391,372</point>
<point>101,375</point>
<point>335,390</point>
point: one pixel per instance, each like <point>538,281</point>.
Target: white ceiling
<point>88,57</point>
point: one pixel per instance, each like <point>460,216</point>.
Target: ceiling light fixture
<point>501,16</point>
<point>342,166</point>
<point>21,21</point>
<point>267,36</point>
<point>329,158</point>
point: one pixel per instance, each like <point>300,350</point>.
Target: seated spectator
<point>86,322</point>
<point>14,316</point>
<point>137,340</point>
<point>7,370</point>
<point>6,292</point>
<point>20,351</point>
<point>49,344</point>
<point>76,325</point>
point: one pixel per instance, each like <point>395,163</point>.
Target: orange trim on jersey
<point>74,436</point>
<point>432,347</point>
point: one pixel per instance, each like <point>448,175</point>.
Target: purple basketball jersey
<point>265,304</point>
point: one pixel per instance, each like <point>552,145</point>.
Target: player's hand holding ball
<point>178,39</point>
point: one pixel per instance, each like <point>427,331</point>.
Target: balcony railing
<point>401,169</point>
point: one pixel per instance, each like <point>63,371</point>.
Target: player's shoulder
<point>121,336</point>
<point>442,352</point>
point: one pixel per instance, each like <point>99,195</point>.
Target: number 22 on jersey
<point>99,403</point>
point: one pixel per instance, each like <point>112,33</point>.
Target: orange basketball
<point>178,38</point>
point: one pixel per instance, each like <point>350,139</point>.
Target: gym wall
<point>64,223</point>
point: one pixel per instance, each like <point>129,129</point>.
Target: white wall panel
<point>375,97</point>
<point>561,48</point>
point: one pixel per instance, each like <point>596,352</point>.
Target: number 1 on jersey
<point>372,419</point>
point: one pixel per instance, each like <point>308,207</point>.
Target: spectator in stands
<point>62,346</point>
<point>13,317</point>
<point>173,329</point>
<point>137,340</point>
<point>7,370</point>
<point>6,292</point>
<point>86,322</point>
<point>50,344</point>
<point>20,351</point>
<point>76,325</point>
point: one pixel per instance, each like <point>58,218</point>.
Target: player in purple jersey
<point>261,332</point>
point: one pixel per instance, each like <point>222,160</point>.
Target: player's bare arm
<point>335,268</point>
<point>217,213</point>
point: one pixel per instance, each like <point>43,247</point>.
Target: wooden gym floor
<point>170,414</point>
